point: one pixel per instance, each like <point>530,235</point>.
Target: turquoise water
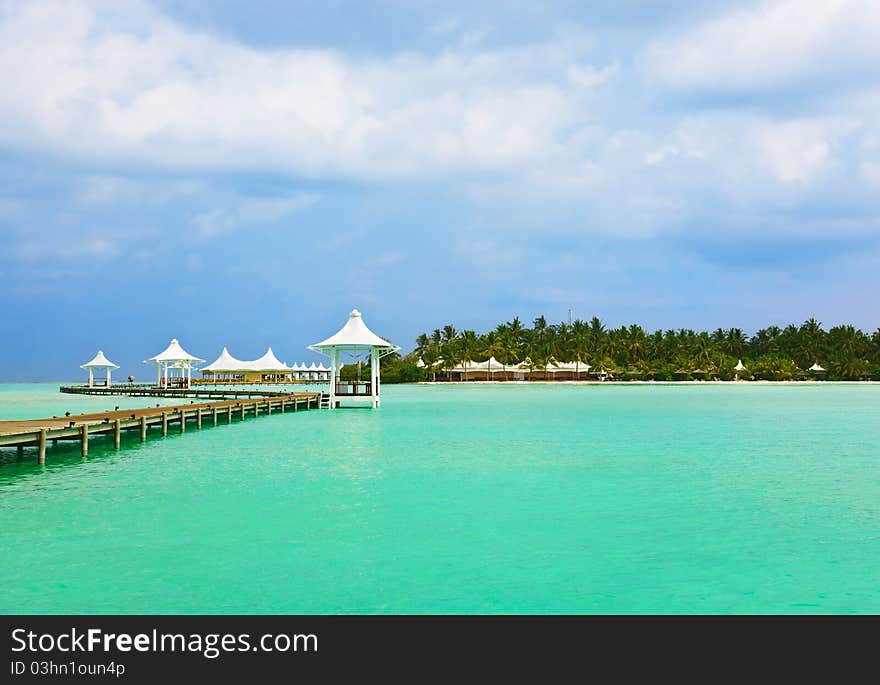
<point>449,499</point>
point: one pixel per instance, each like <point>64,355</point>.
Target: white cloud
<point>771,44</point>
<point>109,87</point>
<point>248,211</point>
<point>588,76</point>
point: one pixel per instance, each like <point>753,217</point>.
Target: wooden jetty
<point>37,432</point>
<point>146,390</point>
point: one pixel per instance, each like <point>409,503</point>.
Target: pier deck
<point>152,391</point>
<point>30,432</point>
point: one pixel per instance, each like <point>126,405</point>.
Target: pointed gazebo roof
<point>739,366</point>
<point>816,367</point>
<point>99,362</point>
<point>268,362</point>
<point>353,335</point>
<point>226,362</point>
<point>174,353</point>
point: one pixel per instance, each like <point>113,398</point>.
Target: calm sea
<point>450,499</point>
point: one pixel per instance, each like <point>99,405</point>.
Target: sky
<point>245,173</point>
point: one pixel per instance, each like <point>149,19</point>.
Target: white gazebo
<point>816,367</point>
<point>99,362</point>
<point>739,367</point>
<point>354,338</point>
<point>174,357</point>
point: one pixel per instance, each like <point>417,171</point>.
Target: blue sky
<point>244,174</point>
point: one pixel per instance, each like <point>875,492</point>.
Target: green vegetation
<point>773,353</point>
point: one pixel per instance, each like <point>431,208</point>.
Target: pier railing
<point>354,388</point>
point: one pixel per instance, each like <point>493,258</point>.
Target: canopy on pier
<point>225,363</point>
<point>99,362</point>
<point>173,357</point>
<point>268,362</point>
<point>354,337</point>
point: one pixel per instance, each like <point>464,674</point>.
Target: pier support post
<point>19,452</point>
<point>199,418</point>
<point>242,411</point>
<point>229,414</point>
<point>84,439</point>
<point>269,407</point>
<point>214,415</point>
<point>295,405</point>
<point>183,420</point>
<point>282,406</point>
<point>164,423</point>
<point>117,433</point>
<point>143,429</point>
<point>42,445</point>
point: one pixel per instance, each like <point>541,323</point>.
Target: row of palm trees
<point>772,353</point>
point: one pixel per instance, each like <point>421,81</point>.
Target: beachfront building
<point>493,370</point>
<point>99,362</point>
<point>351,341</point>
<point>178,361</point>
<point>227,369</point>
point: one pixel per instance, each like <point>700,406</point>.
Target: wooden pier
<point>38,432</point>
<point>130,390</point>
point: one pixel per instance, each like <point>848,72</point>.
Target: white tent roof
<point>173,353</point>
<point>420,363</point>
<point>268,362</point>
<point>226,362</point>
<point>569,366</point>
<point>313,367</point>
<point>816,367</point>
<point>739,366</point>
<point>99,362</point>
<point>321,367</point>
<point>354,334</point>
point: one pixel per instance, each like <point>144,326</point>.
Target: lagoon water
<point>733,498</point>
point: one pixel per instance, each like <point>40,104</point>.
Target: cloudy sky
<point>244,173</point>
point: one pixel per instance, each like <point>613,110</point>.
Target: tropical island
<point>773,353</point>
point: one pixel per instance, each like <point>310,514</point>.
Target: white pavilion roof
<point>174,353</point>
<point>569,366</point>
<point>226,362</point>
<point>739,366</point>
<point>354,334</point>
<point>99,362</point>
<point>268,362</point>
<point>816,367</point>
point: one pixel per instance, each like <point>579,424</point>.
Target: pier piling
<point>84,440</point>
<point>43,446</point>
<point>143,429</point>
<point>117,433</point>
<point>164,424</point>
